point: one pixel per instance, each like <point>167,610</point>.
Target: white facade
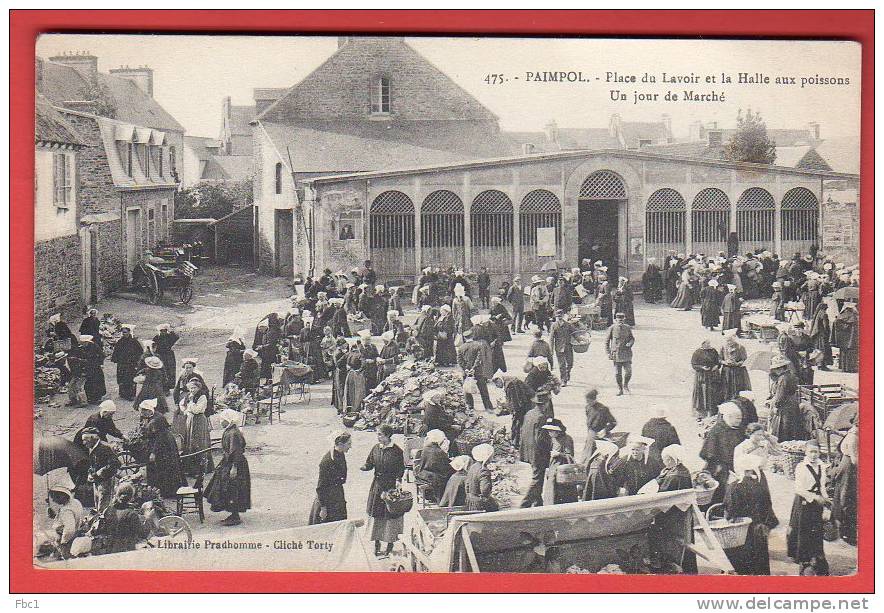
<point>54,216</point>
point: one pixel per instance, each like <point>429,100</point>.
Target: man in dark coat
<point>518,400</point>
<point>164,341</point>
<point>473,359</point>
<point>94,386</point>
<point>618,344</point>
<point>103,467</point>
<point>484,282</point>
<point>126,355</point>
<point>515,295</point>
<point>560,341</point>
<point>534,447</point>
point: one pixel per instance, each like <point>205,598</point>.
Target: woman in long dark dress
<point>749,496</point>
<point>434,465</point>
<point>340,375</point>
<point>153,387</point>
<point>720,444</point>
<point>707,382</point>
<point>479,483</point>
<point>330,504</point>
<point>652,282</point>
<point>91,326</point>
<point>230,488</point>
<point>164,341</point>
<point>710,306</point>
<point>388,463</point>
<point>455,494</point>
<point>675,526</point>
<point>845,336</point>
<point>845,500</point>
<point>786,422</point>
<point>233,359</point>
<point>804,539</point>
<point>164,470</point>
<point>95,387</point>
<point>820,334</point>
<point>599,483</point>
<point>126,355</point>
<point>734,376</point>
<point>624,301</point>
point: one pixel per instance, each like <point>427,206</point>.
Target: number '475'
<point>494,79</point>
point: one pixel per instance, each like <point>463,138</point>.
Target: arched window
<point>540,209</point>
<point>710,221</point>
<point>491,231</point>
<point>391,234</point>
<point>603,185</point>
<point>278,177</point>
<point>442,229</point>
<point>664,223</point>
<point>800,213</point>
<point>755,219</point>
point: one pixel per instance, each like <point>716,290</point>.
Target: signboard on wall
<point>546,242</point>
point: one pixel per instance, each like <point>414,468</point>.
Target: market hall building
<point>515,214</point>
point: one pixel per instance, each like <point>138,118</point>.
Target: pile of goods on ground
<point>398,399</point>
<point>47,382</point>
<point>109,327</point>
<point>233,398</point>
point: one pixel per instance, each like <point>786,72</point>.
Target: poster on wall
<point>546,242</point>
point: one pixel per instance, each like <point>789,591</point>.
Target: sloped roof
<point>61,84</point>
<point>636,131</point>
<point>235,167</point>
<point>842,154</point>
<point>693,149</point>
<point>783,137</point>
<point>202,145</point>
<point>341,84</point>
<point>108,129</point>
<point>268,93</point>
<point>566,139</point>
<point>52,127</point>
<point>313,150</point>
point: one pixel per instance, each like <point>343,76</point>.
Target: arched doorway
<point>665,222</point>
<point>491,232</point>
<point>800,213</point>
<point>442,230</point>
<point>391,235</point>
<point>755,220</point>
<point>598,219</point>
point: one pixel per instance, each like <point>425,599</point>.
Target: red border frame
<point>855,25</point>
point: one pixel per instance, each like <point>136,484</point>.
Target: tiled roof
<point>636,131</point>
<point>314,150</point>
<point>842,154</point>
<point>61,84</point>
<point>695,149</point>
<point>567,139</point>
<point>202,146</point>
<point>269,93</point>
<point>52,127</point>
<point>240,116</point>
<point>235,167</point>
<point>109,130</point>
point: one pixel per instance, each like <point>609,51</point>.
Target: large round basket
<point>350,419</point>
<point>790,460</point>
<point>729,533</point>
<point>580,341</point>
<point>704,496</point>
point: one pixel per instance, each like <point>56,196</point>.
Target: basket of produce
<point>350,419</point>
<point>580,340</point>
<point>569,474</point>
<point>827,397</point>
<point>729,533</point>
<point>793,454</point>
<point>398,501</point>
<point>704,486</point>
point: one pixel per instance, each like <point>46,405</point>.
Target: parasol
<point>554,265</point>
<point>847,293</point>
<point>52,452</point>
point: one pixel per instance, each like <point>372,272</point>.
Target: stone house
<point>127,177</point>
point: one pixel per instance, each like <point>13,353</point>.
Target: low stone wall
<point>57,280</point>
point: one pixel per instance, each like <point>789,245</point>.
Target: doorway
<point>285,253</point>
<point>598,223</point>
<point>133,233</point>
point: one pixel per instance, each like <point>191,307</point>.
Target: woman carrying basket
<point>388,464</point>
<point>749,496</point>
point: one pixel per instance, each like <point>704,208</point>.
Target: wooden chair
<point>189,499</point>
<point>273,404</point>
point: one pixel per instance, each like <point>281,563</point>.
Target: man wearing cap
<point>535,446</point>
<point>560,342</point>
<point>538,300</point>
<point>164,343</point>
<point>483,280</point>
<point>785,412</point>
<point>91,326</point>
<point>515,295</point>
<point>473,357</point>
<point>103,467</point>
<point>618,344</point>
<point>102,422</point>
<point>126,355</point>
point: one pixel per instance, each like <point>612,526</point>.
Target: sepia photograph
<point>438,304</point>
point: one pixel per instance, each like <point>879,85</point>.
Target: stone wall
<point>57,279</point>
<point>841,225</point>
<point>95,189</point>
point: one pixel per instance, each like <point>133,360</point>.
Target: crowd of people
<point>330,329</point>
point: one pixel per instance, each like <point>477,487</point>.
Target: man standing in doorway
<point>619,347</point>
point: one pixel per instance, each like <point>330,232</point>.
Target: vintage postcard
<point>447,304</point>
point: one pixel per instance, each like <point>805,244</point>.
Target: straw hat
<point>483,452</point>
<point>153,362</point>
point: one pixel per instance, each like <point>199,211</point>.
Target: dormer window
<point>129,153</point>
<point>380,96</point>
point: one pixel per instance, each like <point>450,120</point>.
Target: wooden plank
<point>468,545</point>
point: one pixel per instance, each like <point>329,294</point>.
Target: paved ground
<point>283,457</point>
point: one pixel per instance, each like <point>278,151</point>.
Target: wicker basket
<point>350,419</point>
<point>580,341</point>
<point>790,460</point>
<point>705,496</point>
<point>729,534</point>
<point>569,474</point>
<point>400,506</point>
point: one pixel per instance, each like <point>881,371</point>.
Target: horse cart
<point>648,533</point>
<point>155,279</point>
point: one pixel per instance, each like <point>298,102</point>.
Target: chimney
<point>552,131</point>
<point>614,125</point>
<point>141,76</point>
<point>81,61</point>
<point>814,129</point>
<point>667,127</point>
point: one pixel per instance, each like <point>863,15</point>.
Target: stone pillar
<point>778,212</point>
<point>688,204</point>
<point>418,247</point>
<point>467,227</point>
<point>515,192</point>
